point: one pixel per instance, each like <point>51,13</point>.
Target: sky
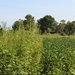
<point>12,10</point>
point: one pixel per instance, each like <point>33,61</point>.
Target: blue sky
<point>12,10</point>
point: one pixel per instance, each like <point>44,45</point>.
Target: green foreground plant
<point>26,53</point>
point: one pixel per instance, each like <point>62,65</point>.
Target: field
<point>26,53</point>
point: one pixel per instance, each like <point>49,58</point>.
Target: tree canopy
<point>46,24</point>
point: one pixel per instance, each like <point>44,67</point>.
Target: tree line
<point>44,25</point>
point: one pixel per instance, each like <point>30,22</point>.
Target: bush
<point>20,53</point>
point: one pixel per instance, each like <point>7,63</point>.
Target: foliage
<point>69,28</point>
<point>29,22</point>
<point>20,54</point>
<point>18,24</point>
<point>26,53</point>
<point>47,24</point>
<point>60,27</point>
<point>58,56</point>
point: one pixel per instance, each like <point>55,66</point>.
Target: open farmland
<point>59,56</point>
<point>25,53</point>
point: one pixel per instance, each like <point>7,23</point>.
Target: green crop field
<point>26,53</point>
<point>59,56</point>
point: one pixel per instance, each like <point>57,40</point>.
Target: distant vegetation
<point>46,24</point>
<point>36,48</point>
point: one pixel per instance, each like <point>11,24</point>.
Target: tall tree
<point>70,28</point>
<point>18,24</point>
<point>47,24</point>
<point>60,27</point>
<point>29,22</point>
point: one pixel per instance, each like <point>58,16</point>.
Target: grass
<point>26,53</point>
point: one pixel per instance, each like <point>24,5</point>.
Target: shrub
<point>20,53</point>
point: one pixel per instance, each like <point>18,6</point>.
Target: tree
<point>18,24</point>
<point>29,22</point>
<point>62,21</point>
<point>47,24</point>
<point>70,28</point>
<point>60,27</point>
